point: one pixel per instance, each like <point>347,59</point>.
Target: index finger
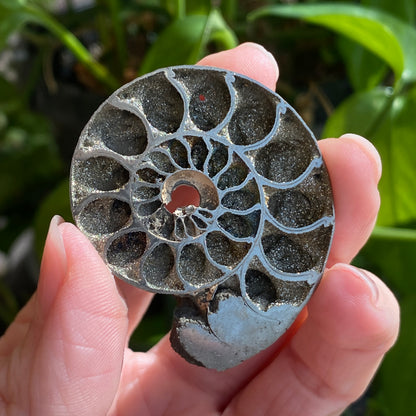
<point>246,59</point>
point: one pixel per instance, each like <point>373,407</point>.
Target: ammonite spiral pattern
<point>248,256</point>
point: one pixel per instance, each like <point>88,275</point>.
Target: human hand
<point>67,351</point>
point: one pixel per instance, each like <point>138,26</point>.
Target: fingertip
<point>79,249</point>
<point>368,149</point>
<point>54,235</point>
<point>354,174</point>
<point>249,59</point>
<point>83,335</point>
<point>53,267</point>
<point>68,229</point>
<point>265,57</point>
<point>351,152</point>
<point>89,284</point>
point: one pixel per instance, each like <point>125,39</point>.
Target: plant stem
<point>401,87</point>
<point>393,233</point>
<point>69,6</point>
<point>213,23</point>
<point>74,45</point>
<point>229,10</point>
<point>180,9</point>
<point>114,7</point>
<point>198,48</point>
<point>225,36</point>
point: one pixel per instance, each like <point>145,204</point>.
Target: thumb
<point>80,326</point>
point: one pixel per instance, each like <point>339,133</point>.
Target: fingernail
<point>368,148</point>
<point>57,219</point>
<point>53,267</point>
<point>366,277</point>
<point>55,234</point>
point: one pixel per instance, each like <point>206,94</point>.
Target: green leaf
<point>359,113</point>
<point>13,17</point>
<point>215,30</point>
<point>198,7</point>
<point>402,9</point>
<point>176,8</point>
<point>403,157</point>
<point>394,234</point>
<point>12,5</point>
<point>15,13</point>
<point>118,27</point>
<point>175,45</point>
<point>365,70</point>
<point>230,9</point>
<point>184,41</point>
<point>386,36</point>
<point>220,32</point>
<point>180,8</point>
<point>389,122</point>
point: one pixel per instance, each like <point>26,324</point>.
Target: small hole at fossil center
<point>183,196</point>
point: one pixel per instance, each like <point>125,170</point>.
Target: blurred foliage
<point>361,80</point>
<point>28,161</point>
<point>381,108</point>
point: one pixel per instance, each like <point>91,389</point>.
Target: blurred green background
<point>345,67</point>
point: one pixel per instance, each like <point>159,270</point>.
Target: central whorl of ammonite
<point>245,243</point>
<point>178,165</point>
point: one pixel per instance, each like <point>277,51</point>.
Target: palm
<point>66,351</point>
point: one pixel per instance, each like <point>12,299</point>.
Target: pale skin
<point>66,352</point>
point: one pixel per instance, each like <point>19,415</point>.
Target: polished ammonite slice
<point>247,246</point>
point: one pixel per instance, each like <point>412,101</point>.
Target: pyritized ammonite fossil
<point>247,249</point>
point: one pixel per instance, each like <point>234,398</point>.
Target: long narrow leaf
<point>394,234</point>
<point>16,13</point>
<point>184,41</point>
<point>12,18</point>
<point>175,45</point>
